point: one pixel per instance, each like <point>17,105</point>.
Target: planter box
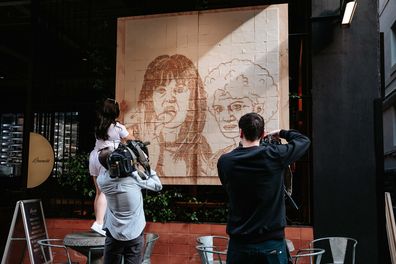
<point>177,240</point>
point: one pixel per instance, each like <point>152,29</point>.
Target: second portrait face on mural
<point>171,99</point>
<point>228,109</point>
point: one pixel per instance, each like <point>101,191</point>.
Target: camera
<point>140,150</point>
<point>136,145</point>
<point>270,140</point>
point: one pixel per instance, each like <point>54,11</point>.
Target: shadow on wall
<point>323,27</point>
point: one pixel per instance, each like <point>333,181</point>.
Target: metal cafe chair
<point>149,241</point>
<point>53,243</point>
<point>211,255</point>
<point>94,251</point>
<point>218,242</point>
<point>213,240</point>
<point>314,255</point>
<point>340,248</point>
<point>221,242</point>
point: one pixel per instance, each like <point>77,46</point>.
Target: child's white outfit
<point>116,132</point>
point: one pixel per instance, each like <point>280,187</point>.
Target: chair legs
<point>52,243</point>
<point>94,251</point>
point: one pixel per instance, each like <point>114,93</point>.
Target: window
<point>393,47</point>
<point>11,141</point>
<point>61,130</point>
<point>394,125</point>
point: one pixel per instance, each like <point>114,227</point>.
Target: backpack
<point>126,159</point>
<point>120,162</point>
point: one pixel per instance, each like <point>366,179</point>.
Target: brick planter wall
<point>177,240</point>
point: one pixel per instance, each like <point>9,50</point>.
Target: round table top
<point>84,239</point>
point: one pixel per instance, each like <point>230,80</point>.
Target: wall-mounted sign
<point>41,160</point>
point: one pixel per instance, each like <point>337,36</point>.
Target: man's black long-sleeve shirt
<point>253,179</point>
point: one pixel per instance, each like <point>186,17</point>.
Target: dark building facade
<point>387,10</point>
<point>387,20</point>
<point>60,57</point>
<point>345,85</point>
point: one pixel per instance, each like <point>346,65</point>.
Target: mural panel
<point>185,79</point>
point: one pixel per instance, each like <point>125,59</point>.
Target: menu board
<point>27,228</point>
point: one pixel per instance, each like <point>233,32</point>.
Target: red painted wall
<point>177,241</point>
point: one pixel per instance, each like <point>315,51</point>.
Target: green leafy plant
<point>159,206</point>
<point>75,175</point>
<point>171,205</point>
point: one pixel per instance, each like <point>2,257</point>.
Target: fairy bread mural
<point>184,80</point>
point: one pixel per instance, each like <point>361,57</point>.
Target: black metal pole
<point>27,114</point>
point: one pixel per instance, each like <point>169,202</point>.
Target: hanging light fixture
<point>348,13</point>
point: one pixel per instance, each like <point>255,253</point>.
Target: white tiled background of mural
<point>242,61</point>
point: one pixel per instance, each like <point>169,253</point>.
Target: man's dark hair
<point>252,126</point>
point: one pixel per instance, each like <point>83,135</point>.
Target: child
<point>109,133</point>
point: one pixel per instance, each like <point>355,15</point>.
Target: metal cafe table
<point>89,243</point>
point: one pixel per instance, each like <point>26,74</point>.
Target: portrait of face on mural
<point>238,87</point>
<point>172,105</point>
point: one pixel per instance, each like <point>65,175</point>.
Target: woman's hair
<point>106,115</point>
<point>162,70</point>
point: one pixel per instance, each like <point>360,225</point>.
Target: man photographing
<point>252,176</point>
<point>124,220</point>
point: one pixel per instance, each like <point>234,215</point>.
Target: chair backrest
<point>220,243</point>
<point>341,249</point>
<point>211,255</point>
<point>289,245</point>
<point>213,240</point>
<point>314,255</point>
<point>149,241</point>
<point>50,243</point>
